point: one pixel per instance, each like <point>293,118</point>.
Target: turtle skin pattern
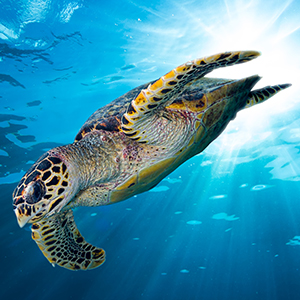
<point>126,148</point>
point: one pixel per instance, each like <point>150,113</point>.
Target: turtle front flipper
<point>62,244</point>
<point>139,122</point>
<point>261,95</point>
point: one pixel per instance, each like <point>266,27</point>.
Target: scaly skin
<point>128,147</point>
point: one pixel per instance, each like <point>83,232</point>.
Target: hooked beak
<point>22,218</point>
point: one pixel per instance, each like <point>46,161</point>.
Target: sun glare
<point>179,34</point>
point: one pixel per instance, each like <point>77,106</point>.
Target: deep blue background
<point>62,60</point>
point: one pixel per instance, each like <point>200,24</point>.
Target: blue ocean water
<point>226,224</point>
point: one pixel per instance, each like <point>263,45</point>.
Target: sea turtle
<point>126,148</point>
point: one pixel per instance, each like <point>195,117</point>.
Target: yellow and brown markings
<point>62,244</point>
<point>261,95</point>
<point>212,115</point>
<point>194,101</point>
<point>46,180</point>
<point>109,124</point>
<point>147,178</point>
<point>200,133</point>
<point>162,92</point>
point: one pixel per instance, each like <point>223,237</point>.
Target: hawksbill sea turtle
<point>126,148</point>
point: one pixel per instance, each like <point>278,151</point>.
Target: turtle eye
<point>35,192</point>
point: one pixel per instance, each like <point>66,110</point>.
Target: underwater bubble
<point>136,239</point>
<point>3,153</point>
<point>228,229</point>
<point>219,216</point>
<point>184,271</point>
<point>193,222</point>
<point>295,241</point>
<point>128,208</point>
<point>224,216</point>
<point>93,214</point>
<point>206,163</point>
<point>218,197</point>
<point>260,187</point>
<point>172,180</point>
<point>243,185</point>
<point>161,188</point>
<point>178,212</point>
<point>202,268</point>
<point>163,274</point>
<point>231,218</point>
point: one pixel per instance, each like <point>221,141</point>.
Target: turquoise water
<point>225,225</point>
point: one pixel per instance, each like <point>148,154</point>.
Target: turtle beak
<point>22,217</point>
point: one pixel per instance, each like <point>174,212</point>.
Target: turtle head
<point>45,189</point>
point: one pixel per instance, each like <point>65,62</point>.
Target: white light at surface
<point>176,33</point>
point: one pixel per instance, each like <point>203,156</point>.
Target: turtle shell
<point>109,116</point>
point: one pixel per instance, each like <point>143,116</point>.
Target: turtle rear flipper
<point>139,122</point>
<point>261,95</point>
<point>62,244</point>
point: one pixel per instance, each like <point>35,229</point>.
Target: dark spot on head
<point>44,165</point>
<point>18,200</point>
<point>89,128</point>
<point>54,181</point>
<point>78,137</point>
<point>61,190</point>
<point>28,210</point>
<point>64,168</point>
<point>32,177</point>
<point>64,183</point>
<point>179,76</point>
<point>172,82</point>
<point>46,175</point>
<point>55,160</point>
<point>56,169</point>
<point>101,126</point>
